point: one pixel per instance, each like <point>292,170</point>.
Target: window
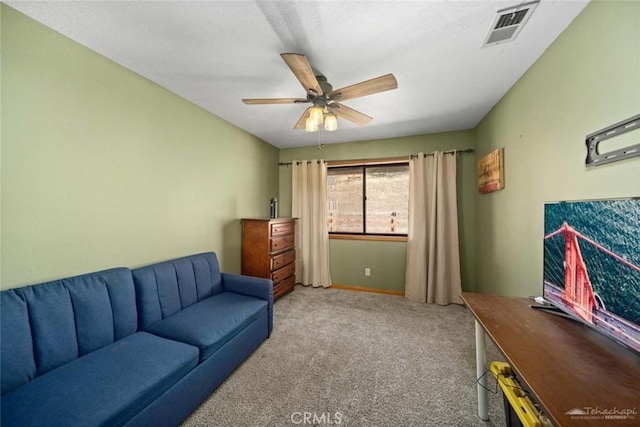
<point>368,199</point>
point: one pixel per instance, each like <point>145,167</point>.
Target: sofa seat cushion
<point>210,323</point>
<point>105,387</point>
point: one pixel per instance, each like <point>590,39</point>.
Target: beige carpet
<point>339,357</point>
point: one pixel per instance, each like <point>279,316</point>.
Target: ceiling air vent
<point>508,22</point>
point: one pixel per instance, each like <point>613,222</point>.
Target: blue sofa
<point>127,347</point>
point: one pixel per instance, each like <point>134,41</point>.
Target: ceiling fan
<point>324,99</point>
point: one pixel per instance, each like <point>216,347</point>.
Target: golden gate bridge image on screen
<point>570,288</point>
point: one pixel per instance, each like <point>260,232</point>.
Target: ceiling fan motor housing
<point>320,100</point>
<point>324,84</point>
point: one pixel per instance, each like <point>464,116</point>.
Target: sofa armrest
<point>252,286</point>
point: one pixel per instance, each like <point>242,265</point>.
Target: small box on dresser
<point>268,250</point>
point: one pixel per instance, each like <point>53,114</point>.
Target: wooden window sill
<point>369,237</point>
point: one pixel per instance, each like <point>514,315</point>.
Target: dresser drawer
<point>281,243</point>
<point>283,287</point>
<point>283,259</point>
<point>283,273</point>
<point>282,228</point>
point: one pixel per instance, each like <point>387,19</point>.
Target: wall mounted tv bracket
<point>595,156</point>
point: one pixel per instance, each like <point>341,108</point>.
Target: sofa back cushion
<point>165,288</point>
<point>47,325</point>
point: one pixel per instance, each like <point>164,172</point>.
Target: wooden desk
<point>567,366</point>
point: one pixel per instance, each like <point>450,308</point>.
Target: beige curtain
<point>433,256</point>
<point>309,205</point>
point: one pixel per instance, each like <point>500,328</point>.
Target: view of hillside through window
<point>368,199</point>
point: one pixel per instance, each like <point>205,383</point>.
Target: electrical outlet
<point>367,271</point>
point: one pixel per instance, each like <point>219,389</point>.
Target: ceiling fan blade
<point>348,113</point>
<point>301,123</point>
<point>303,72</point>
<point>255,101</point>
<point>369,87</point>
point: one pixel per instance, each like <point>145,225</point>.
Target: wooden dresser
<point>268,250</point>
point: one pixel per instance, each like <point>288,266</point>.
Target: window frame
<point>389,237</point>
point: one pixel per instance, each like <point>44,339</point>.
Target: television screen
<point>592,264</point>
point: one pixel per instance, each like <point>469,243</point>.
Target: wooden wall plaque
<point>491,172</point>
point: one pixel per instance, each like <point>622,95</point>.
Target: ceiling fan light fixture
<point>316,113</point>
<point>330,122</point>
<point>310,125</point>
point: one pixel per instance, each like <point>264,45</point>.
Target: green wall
<point>387,260</point>
<point>102,168</point>
<point>588,79</point>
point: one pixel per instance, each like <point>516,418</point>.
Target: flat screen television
<point>592,264</point>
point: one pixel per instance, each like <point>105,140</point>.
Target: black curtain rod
<point>298,163</point>
<point>466,150</point>
<point>412,156</point>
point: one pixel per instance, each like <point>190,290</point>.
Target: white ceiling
<point>214,53</point>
